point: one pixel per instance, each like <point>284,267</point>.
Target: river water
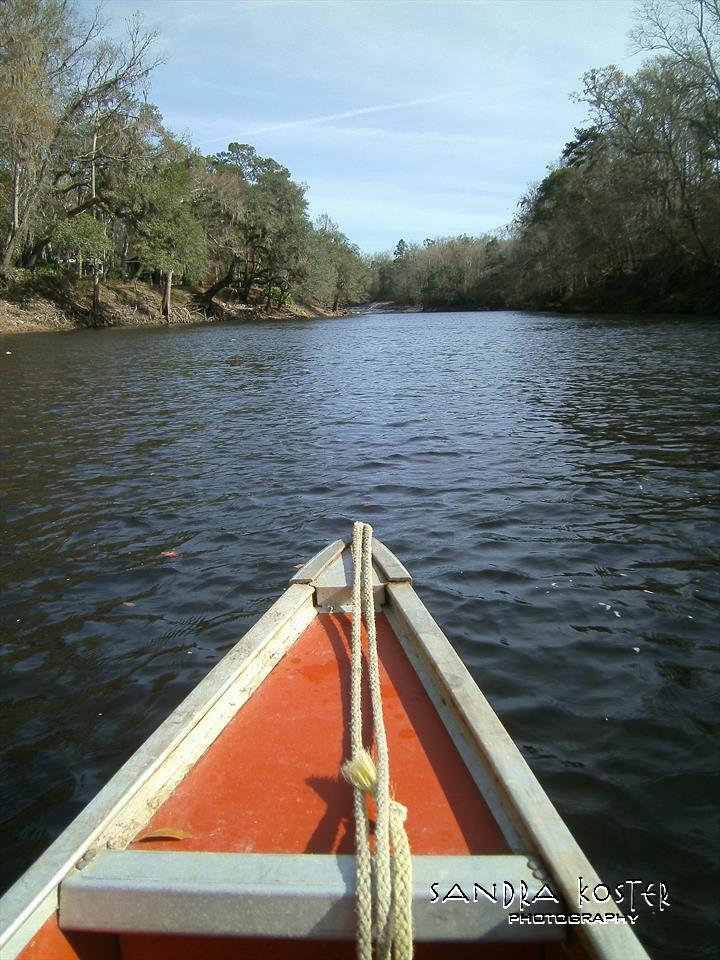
<point>550,481</point>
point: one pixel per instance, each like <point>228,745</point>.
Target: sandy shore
<point>56,307</point>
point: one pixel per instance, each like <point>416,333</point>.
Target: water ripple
<point>550,481</point>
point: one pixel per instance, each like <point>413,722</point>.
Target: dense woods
<point>629,216</point>
<point>94,188</point>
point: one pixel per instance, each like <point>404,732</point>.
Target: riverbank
<point>52,305</point>
<point>654,289</point>
<point>703,300</point>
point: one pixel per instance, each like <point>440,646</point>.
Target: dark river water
<point>550,481</point>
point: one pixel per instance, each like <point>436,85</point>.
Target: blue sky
<point>405,119</point>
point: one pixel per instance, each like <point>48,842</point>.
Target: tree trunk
<point>6,261</point>
<point>31,256</point>
<point>167,293</point>
<point>246,286</point>
<point>8,253</point>
<point>17,225</point>
<point>93,192</point>
<point>93,196</point>
<point>96,294</point>
<point>220,284</point>
<point>15,201</point>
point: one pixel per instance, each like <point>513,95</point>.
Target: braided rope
<point>393,893</point>
<point>402,936</point>
<point>362,827</point>
<point>383,876</point>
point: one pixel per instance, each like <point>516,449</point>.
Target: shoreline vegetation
<point>107,218</point>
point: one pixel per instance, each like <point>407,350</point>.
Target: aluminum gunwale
<point>388,563</point>
<point>322,559</point>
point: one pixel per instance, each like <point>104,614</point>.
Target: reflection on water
<point>550,481</point>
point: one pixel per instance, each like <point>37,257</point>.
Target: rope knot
<point>361,772</point>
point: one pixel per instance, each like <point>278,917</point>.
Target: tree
<point>381,276</point>
<point>55,72</point>
<point>169,239</point>
<point>259,222</point>
<point>631,210</point>
<point>657,120</point>
<point>103,158</point>
<point>333,271</point>
<point>689,30</point>
<point>400,250</point>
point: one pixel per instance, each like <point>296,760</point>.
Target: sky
<point>405,118</point>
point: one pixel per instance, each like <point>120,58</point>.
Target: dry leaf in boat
<point>164,833</point>
<point>169,553</point>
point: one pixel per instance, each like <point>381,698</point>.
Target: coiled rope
<point>393,874</point>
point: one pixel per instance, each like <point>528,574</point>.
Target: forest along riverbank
<point>624,221</point>
<point>551,481</point>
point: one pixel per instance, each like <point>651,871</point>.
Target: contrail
<point>311,121</point>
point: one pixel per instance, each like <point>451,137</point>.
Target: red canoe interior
<point>270,783</point>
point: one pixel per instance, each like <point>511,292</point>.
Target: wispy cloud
<point>418,119</point>
<point>361,111</point>
<point>420,141</point>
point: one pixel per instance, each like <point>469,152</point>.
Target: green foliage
<point>89,174</point>
<point>631,213</point>
<point>251,167</point>
<point>166,236</point>
<point>334,273</point>
<point>172,241</point>
<point>83,237</point>
<point>281,298</point>
<point>255,216</point>
<point>444,272</point>
<point>581,149</point>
